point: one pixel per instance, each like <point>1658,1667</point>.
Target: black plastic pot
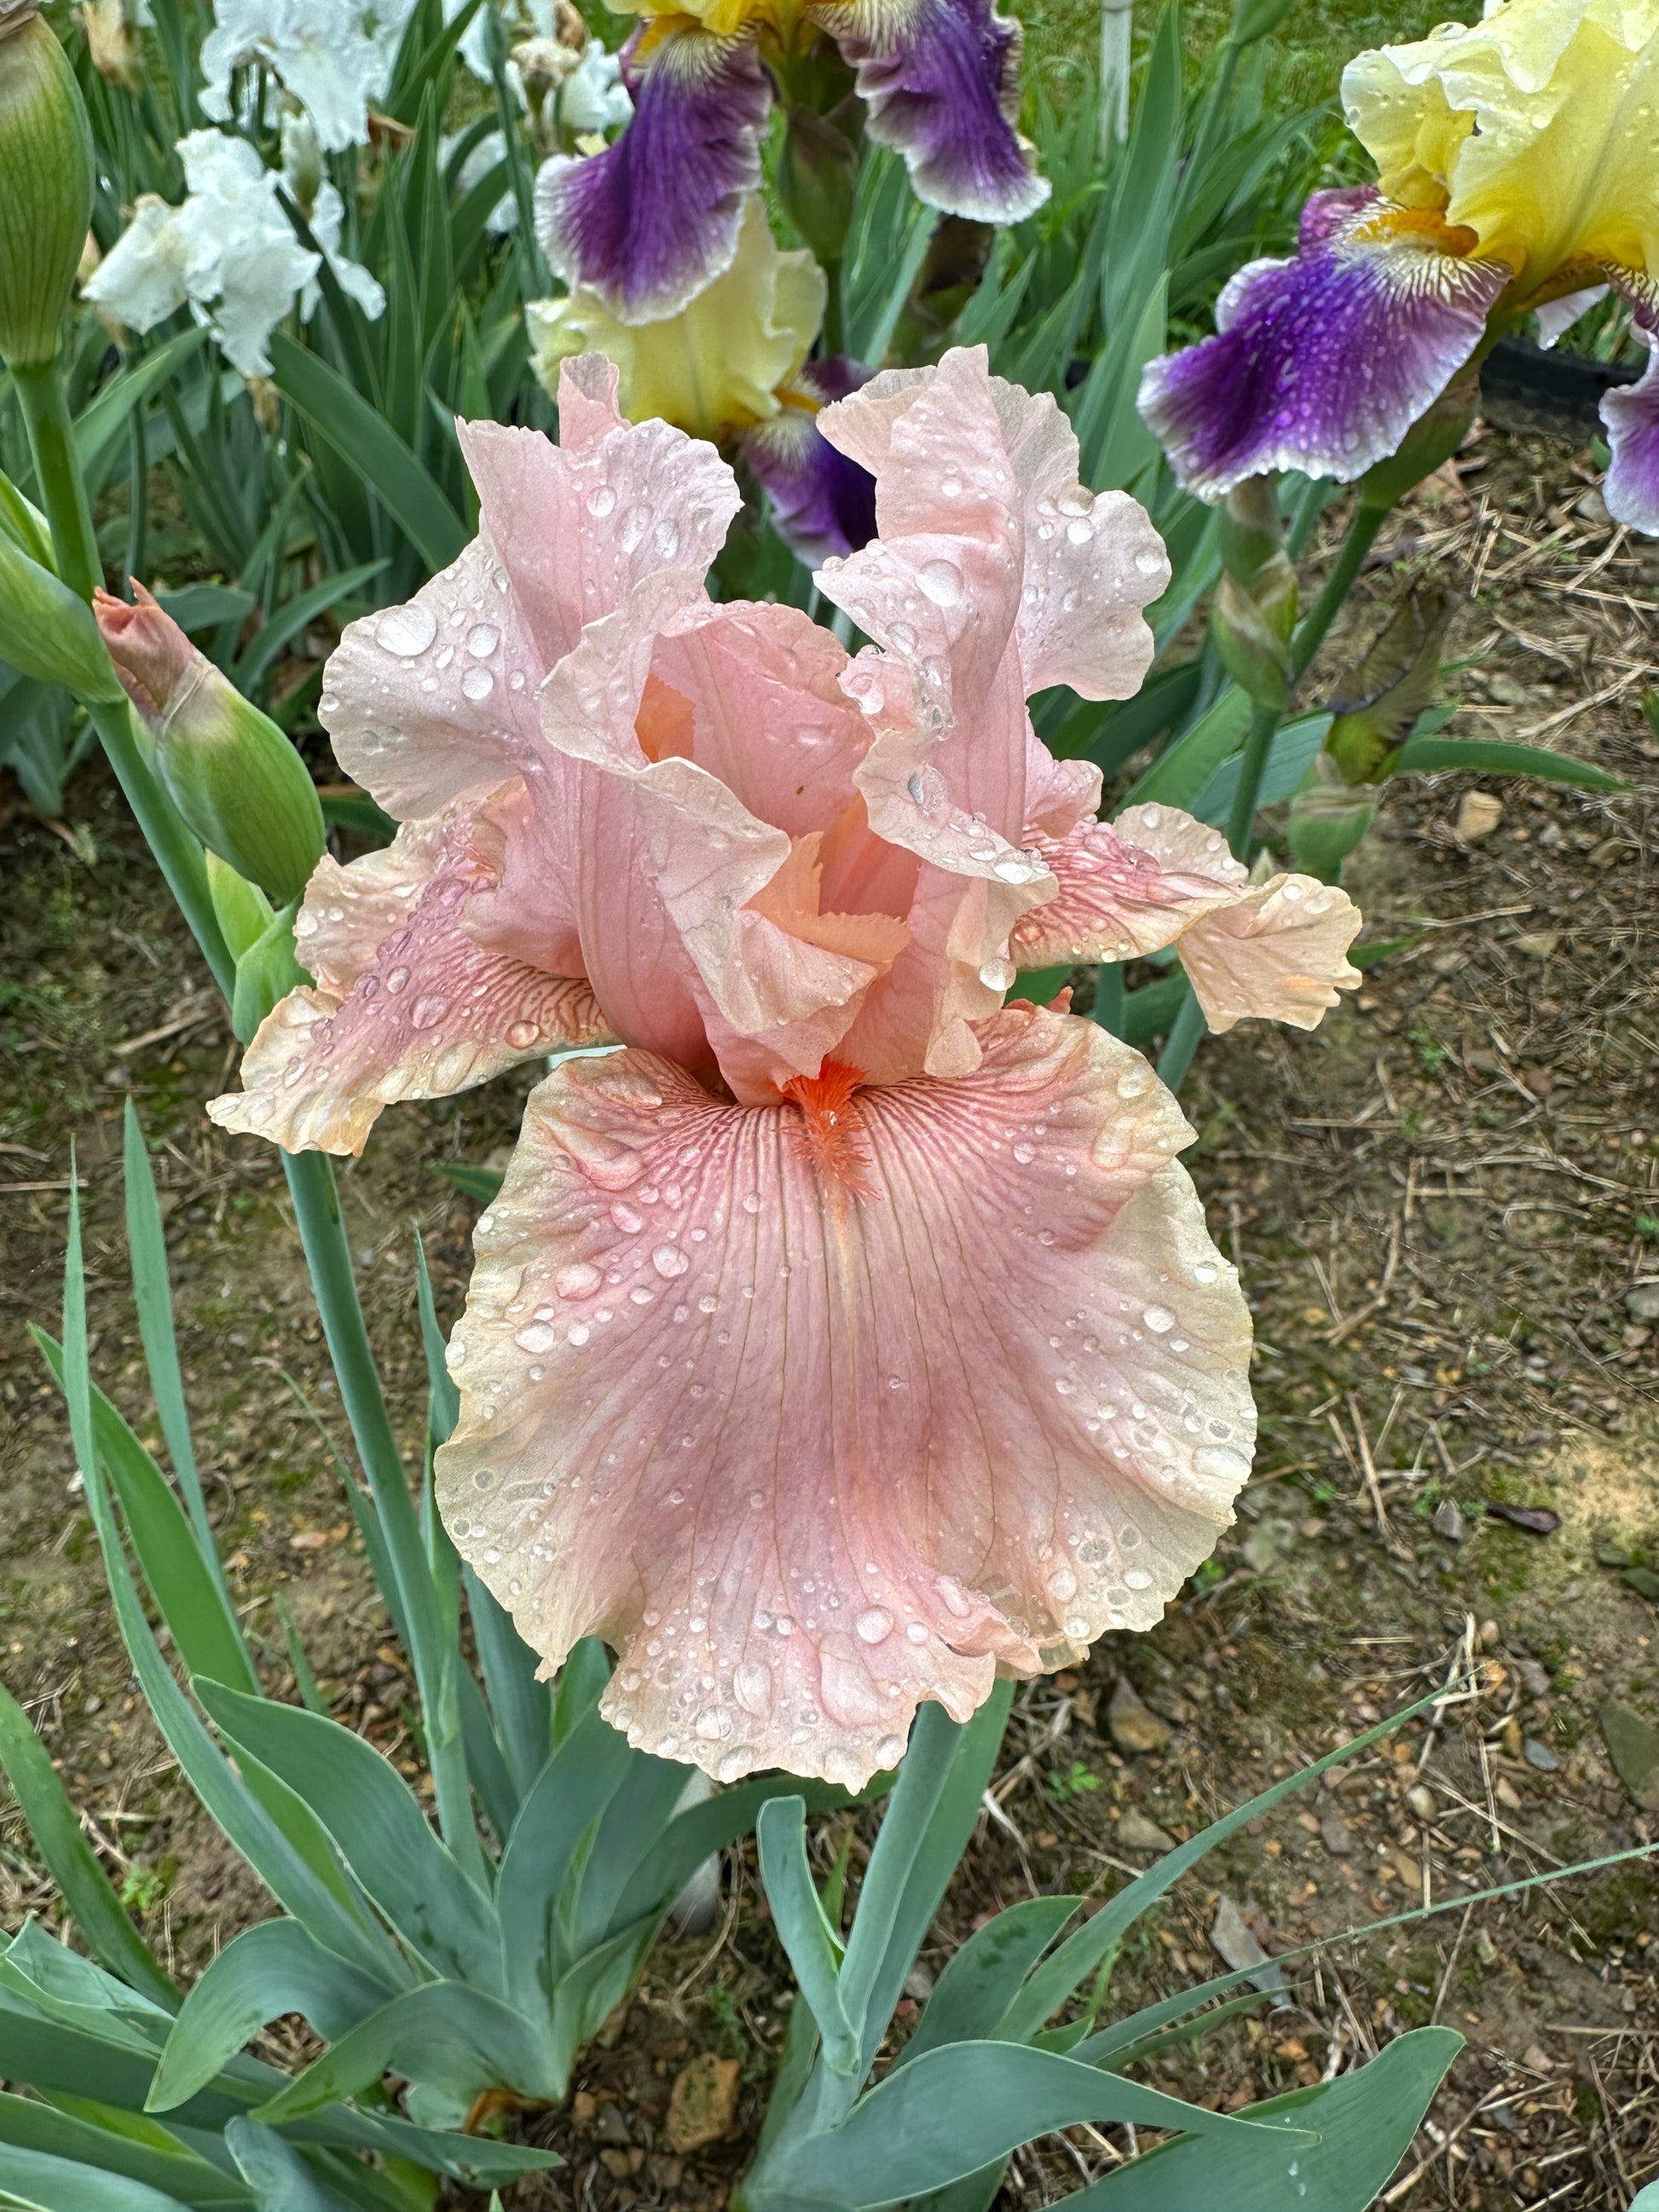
<point>1548,394</point>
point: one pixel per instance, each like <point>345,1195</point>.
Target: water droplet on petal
<point>482,640</point>
<point>427,1012</point>
<point>522,1035</point>
<point>669,1261</point>
<point>477,684</point>
<point>875,1626</point>
<point>942,581</point>
<point>1159,1319</point>
<point>406,630</point>
<point>536,1336</point>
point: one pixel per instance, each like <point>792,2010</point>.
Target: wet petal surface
<point>810,1423</point>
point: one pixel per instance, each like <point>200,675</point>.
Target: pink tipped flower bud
<point>231,772</point>
<point>46,185</point>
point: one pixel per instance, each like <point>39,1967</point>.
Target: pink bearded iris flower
<point>848,1334</point>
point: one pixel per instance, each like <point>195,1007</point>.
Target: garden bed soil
<point>1445,1204</point>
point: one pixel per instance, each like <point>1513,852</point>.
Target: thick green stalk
<point>1188,1024</point>
<point>1252,767</point>
<point>1344,572</point>
<point>64,496</point>
<point>317,1208</point>
<point>1109,997</point>
<point>834,328</point>
<point>1182,1043</point>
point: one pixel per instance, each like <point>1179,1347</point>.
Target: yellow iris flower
<point>1535,129</point>
<point>715,368</point>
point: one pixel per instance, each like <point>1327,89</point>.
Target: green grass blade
<point>192,1601</point>
<point>294,617</point>
<point>1487,756</point>
<point>1181,769</point>
<point>960,2107</point>
<point>86,1889</point>
<point>368,444</point>
<point>376,1824</point>
<point>814,1948</point>
<point>1366,2123</point>
<point>100,429</point>
<point>443,2030</point>
<point>274,1968</point>
<point>152,1294</point>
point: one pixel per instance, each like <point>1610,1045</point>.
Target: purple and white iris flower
<point>649,222</point>
<point>1518,168</point>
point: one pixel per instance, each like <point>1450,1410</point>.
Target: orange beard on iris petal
<point>831,1131</point>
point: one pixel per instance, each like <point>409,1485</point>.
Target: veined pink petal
<point>1154,877</point>
<point>1128,887</point>
<point>1279,953</point>
<point>817,1410</point>
<point>408,1005</point>
<point>425,700</point>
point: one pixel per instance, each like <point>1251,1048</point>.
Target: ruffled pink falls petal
<point>407,1004</point>
<point>1279,953</point>
<point>819,1410</point>
<point>1276,950</point>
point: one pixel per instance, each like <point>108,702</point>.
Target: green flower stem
<point>834,336</point>
<point>1344,572</point>
<point>1252,767</point>
<point>322,1232</point>
<point>1109,997</point>
<point>1188,1024</point>
<point>64,496</point>
<point>1182,1042</point>
<point>63,492</point>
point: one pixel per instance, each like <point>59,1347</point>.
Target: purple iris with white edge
<point>649,221</point>
<point>1518,171</point>
<point>823,504</point>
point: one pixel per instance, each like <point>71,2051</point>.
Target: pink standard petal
<point>408,1005</point>
<point>576,529</point>
<point>1091,561</point>
<point>670,858</point>
<point>424,700</point>
<point>813,1417</point>
<point>768,714</point>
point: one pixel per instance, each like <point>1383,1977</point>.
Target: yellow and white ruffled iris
<point>715,368</point>
<point>1535,129</point>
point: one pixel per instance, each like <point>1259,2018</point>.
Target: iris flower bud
<point>1253,616</point>
<point>231,772</point>
<point>46,185</point>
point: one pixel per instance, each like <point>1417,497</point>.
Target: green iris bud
<point>1254,615</point>
<point>45,186</point>
<point>261,943</point>
<point>1329,817</point>
<point>230,771</point>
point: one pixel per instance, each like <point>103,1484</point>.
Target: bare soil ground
<point>1446,1207</point>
